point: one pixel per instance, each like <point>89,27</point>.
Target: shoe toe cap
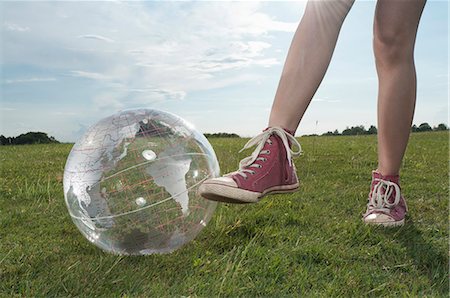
<point>378,218</point>
<point>226,181</point>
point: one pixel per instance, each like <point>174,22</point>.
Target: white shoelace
<point>259,141</point>
<point>380,200</point>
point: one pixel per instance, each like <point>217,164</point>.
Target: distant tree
<point>3,140</point>
<point>441,126</point>
<point>354,130</point>
<point>359,130</point>
<point>221,135</point>
<point>347,131</point>
<point>28,138</point>
<point>424,127</point>
<point>332,133</point>
<point>372,130</point>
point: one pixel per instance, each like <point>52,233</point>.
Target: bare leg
<point>395,29</point>
<point>307,60</point>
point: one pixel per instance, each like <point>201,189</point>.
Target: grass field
<point>310,243</point>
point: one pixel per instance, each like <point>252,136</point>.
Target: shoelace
<point>259,141</point>
<point>380,200</point>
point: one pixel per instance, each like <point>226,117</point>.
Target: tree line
<point>221,135</point>
<point>28,138</point>
<point>43,138</point>
<point>360,130</point>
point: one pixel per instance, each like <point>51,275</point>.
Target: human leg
<point>307,60</point>
<point>395,28</point>
<point>270,168</point>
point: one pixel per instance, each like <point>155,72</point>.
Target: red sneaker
<point>386,205</point>
<point>268,170</point>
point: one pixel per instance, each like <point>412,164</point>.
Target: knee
<point>392,46</point>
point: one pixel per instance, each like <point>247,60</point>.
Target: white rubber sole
<point>227,194</point>
<point>387,224</point>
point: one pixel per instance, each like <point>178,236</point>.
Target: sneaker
<point>386,205</point>
<point>268,170</point>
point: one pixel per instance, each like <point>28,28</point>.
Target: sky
<point>66,65</point>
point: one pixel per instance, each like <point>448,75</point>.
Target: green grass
<point>310,243</point>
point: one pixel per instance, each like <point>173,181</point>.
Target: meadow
<point>309,243</point>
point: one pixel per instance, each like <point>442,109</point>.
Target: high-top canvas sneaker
<point>268,170</point>
<point>386,205</point>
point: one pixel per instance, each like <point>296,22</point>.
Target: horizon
<point>203,61</point>
<point>340,133</point>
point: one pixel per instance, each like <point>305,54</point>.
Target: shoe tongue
<point>392,178</point>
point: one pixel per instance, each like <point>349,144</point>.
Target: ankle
<point>289,128</point>
<point>387,172</point>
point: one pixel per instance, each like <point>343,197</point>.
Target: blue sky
<point>65,65</point>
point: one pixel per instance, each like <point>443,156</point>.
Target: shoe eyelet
<point>245,178</point>
<point>260,166</point>
<point>268,151</point>
<point>252,172</point>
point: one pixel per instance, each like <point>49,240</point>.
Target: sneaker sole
<point>228,194</point>
<point>387,224</point>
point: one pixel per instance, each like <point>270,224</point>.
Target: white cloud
<point>138,54</point>
<point>169,94</point>
<point>29,80</point>
<point>15,27</point>
<point>110,101</point>
<point>88,75</point>
<point>96,37</point>
<point>176,46</point>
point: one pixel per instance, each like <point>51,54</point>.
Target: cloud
<point>169,94</point>
<point>110,101</point>
<point>15,27</point>
<point>138,53</point>
<point>173,45</point>
<point>29,80</point>
<point>7,109</point>
<point>88,75</point>
<point>96,37</point>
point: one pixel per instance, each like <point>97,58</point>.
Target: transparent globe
<point>131,181</point>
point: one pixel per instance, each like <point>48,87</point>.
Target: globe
<point>131,181</point>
